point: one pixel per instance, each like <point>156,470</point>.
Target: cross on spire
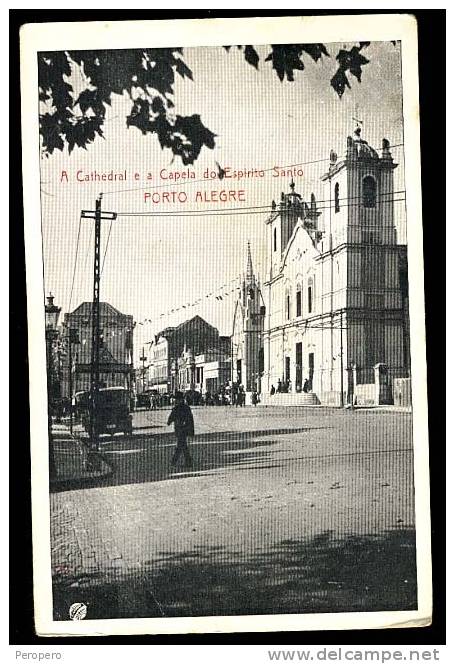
<point>357,120</point>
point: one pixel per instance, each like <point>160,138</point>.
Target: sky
<point>157,264</point>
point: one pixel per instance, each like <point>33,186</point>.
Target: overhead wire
<point>200,298</point>
<point>106,247</point>
<point>75,262</point>
<point>257,209</point>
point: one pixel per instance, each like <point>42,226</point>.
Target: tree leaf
<point>182,69</point>
<point>349,61</point>
<point>140,116</point>
<point>287,58</point>
<point>339,82</point>
<point>251,56</point>
<point>315,51</point>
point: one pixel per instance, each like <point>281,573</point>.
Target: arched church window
<point>251,293</point>
<point>274,239</point>
<point>287,305</point>
<point>298,301</point>
<point>337,197</point>
<point>369,192</point>
<point>310,294</point>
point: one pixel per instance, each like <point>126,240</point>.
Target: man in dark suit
<point>182,417</point>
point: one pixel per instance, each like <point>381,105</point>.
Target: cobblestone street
<point>285,510</point>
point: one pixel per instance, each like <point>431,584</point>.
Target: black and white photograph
<point>227,353</point>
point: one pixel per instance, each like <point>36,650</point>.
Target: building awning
<point>162,388</point>
<point>105,368</point>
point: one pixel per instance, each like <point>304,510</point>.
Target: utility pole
<point>143,359</point>
<point>95,348</point>
<point>98,216</point>
<point>50,370</point>
<point>70,378</point>
<point>341,359</point>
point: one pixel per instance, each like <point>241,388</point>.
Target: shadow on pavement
<point>314,575</point>
<point>147,458</point>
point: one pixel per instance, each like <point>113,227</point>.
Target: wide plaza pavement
<point>286,510</point>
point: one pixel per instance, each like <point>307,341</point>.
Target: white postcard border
<point>99,35</point>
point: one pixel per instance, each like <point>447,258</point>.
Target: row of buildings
<point>330,315</point>
<point>190,356</point>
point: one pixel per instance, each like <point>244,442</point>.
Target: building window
<point>287,370</point>
<point>369,192</point>
<point>337,197</point>
<point>370,238</point>
<point>310,295</point>
<point>274,239</point>
<point>287,305</point>
<point>261,361</point>
<point>298,303</point>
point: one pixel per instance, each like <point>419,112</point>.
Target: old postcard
<point>226,319</point>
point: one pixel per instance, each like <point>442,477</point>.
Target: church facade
<point>336,288</point>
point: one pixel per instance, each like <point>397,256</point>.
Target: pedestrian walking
<point>182,417</point>
<point>272,390</point>
<point>254,398</point>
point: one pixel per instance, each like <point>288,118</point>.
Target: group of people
<point>219,398</point>
<point>238,395</point>
<point>151,401</point>
<point>222,397</point>
<point>285,386</point>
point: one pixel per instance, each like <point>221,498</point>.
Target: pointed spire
<point>249,266</point>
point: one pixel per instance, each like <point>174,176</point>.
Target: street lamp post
<point>73,338</point>
<point>52,313</point>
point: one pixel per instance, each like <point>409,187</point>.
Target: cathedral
<point>333,309</point>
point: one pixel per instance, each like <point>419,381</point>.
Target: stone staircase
<point>290,399</point>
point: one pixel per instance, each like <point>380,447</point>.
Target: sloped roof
<point>198,320</point>
<point>106,309</point>
<point>168,331</point>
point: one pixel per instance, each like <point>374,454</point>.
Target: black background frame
<point>432,76</point>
